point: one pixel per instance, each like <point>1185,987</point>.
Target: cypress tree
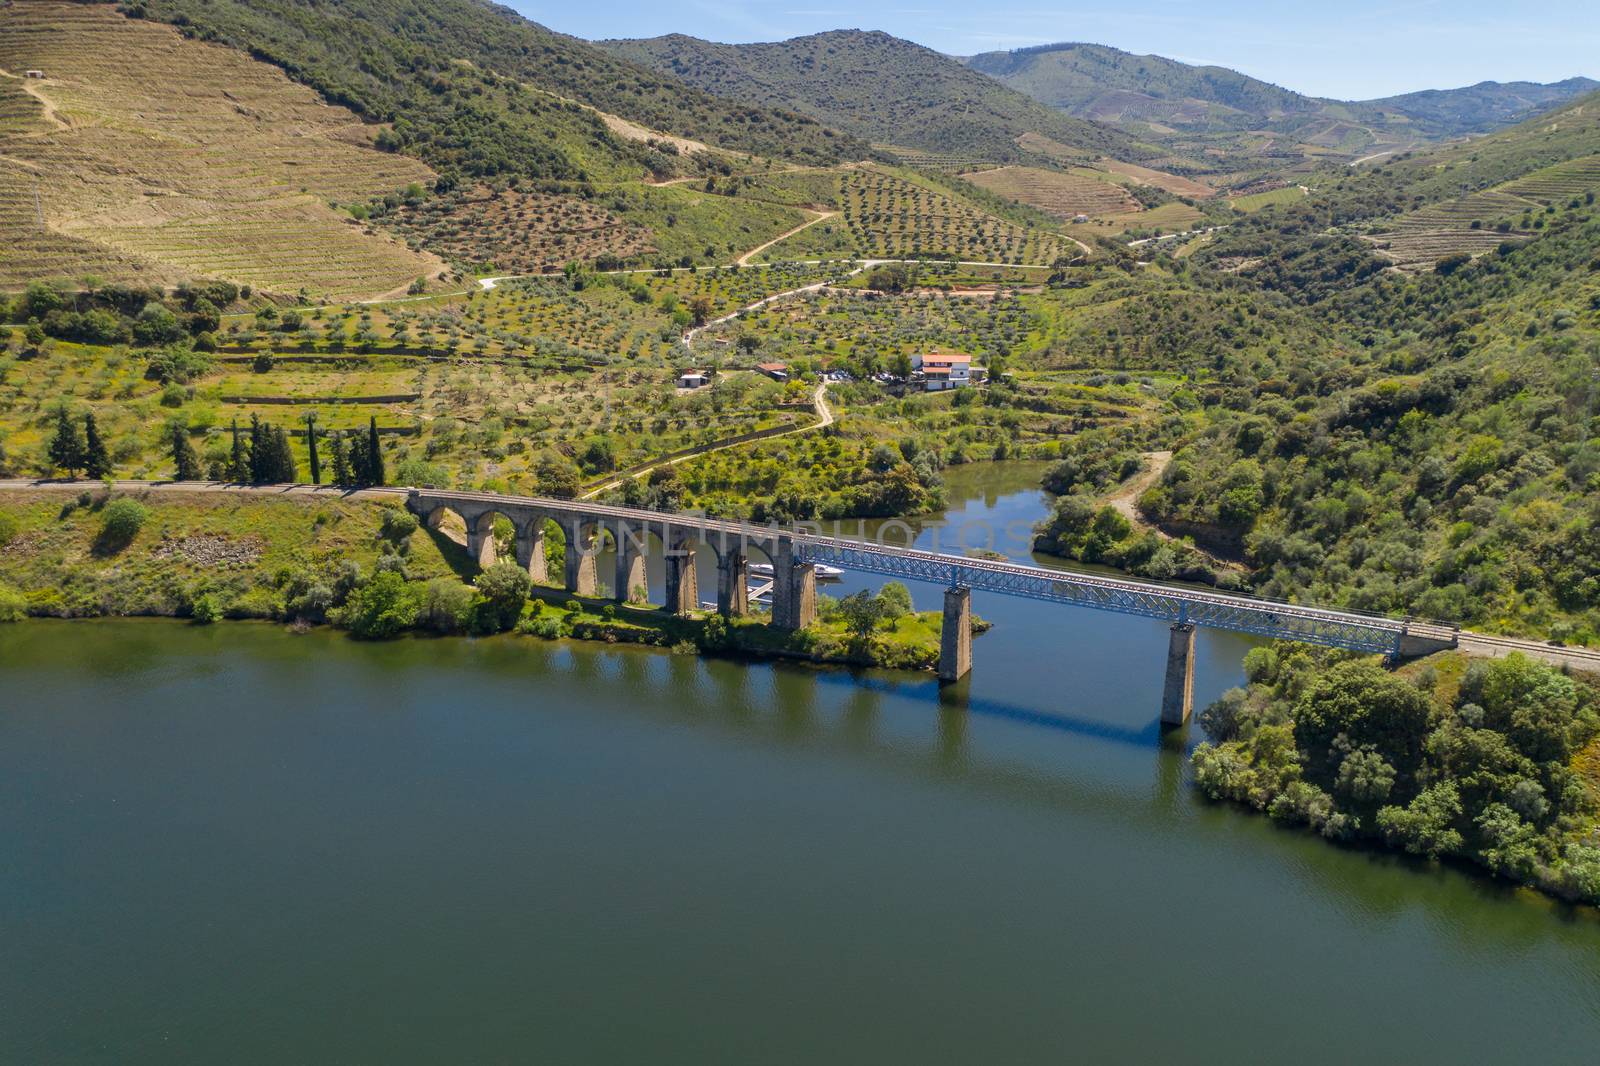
<point>96,460</point>
<point>375,472</point>
<point>66,446</point>
<point>311,447</point>
<point>341,459</point>
<point>184,459</point>
<point>259,459</point>
<point>238,465</point>
<point>284,470</point>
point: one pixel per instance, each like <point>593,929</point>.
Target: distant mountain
<point>1107,84</point>
<point>1485,106</point>
<point>877,87</point>
<point>1150,92</point>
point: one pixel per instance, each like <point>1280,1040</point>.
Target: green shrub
<point>547,628</point>
<point>8,528</point>
<point>13,605</point>
<point>398,524</point>
<point>504,588</point>
<point>382,608</point>
<point>120,522</point>
<point>206,610</point>
<point>446,605</point>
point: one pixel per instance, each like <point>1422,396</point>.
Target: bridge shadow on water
<point>958,697</point>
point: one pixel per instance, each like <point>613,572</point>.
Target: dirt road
<point>1126,498</point>
<point>820,216</point>
<point>819,400</point>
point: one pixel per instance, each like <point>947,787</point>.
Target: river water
<point>234,844</point>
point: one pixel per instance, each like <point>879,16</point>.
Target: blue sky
<point>1350,49</point>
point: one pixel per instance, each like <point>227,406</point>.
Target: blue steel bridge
<point>1173,604</point>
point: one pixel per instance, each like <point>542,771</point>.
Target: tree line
<point>258,455</point>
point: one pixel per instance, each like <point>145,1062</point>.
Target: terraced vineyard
<point>515,231</point>
<point>893,217</point>
<point>1474,224</point>
<point>1063,195</point>
<point>1050,148</point>
<point>1176,185</point>
<point>1573,178</point>
<point>32,250</point>
<point>147,148</point>
<point>940,162</point>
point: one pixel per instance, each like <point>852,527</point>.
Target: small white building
<point>36,74</point>
<point>693,379</point>
<point>943,370</point>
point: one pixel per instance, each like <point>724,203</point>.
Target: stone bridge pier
<point>1177,697</point>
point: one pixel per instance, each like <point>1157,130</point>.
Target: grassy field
<point>192,544</point>
<point>1160,179</point>
<point>1254,202</point>
<point>234,183</point>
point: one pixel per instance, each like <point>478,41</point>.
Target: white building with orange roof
<point>943,370</point>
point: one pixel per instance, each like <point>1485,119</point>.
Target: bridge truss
<point>1240,614</point>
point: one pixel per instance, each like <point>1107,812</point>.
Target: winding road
<point>819,401</point>
<point>820,216</point>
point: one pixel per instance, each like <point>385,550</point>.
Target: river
<point>235,844</point>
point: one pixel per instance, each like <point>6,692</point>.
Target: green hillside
<point>879,88</point>
<point>1388,441</point>
<point>476,88</point>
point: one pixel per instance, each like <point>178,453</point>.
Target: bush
<point>13,605</point>
<point>382,608</point>
<point>120,523</point>
<point>446,605</point>
<point>206,610</point>
<point>547,628</point>
<point>504,588</point>
<point>398,524</point>
<point>8,529</point>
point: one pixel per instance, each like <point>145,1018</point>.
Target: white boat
<point>824,572</point>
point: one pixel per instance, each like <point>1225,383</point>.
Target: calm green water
<point>239,845</point>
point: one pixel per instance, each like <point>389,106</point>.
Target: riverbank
<point>1495,763</point>
<point>312,559</point>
